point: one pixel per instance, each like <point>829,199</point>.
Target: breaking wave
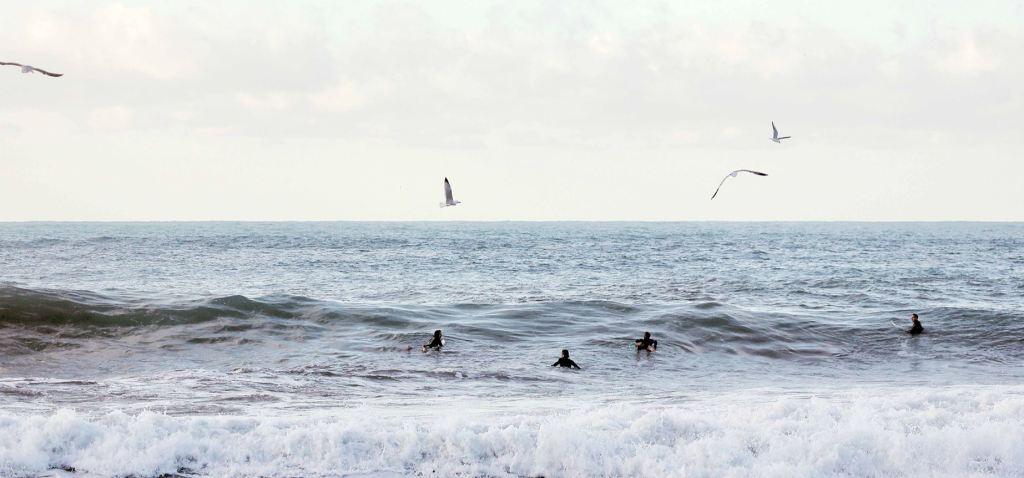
<point>954,432</point>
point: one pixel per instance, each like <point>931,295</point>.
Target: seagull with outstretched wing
<point>30,69</point>
<point>733,175</point>
<point>775,135</point>
<point>448,199</point>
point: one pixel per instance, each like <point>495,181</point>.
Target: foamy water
<point>957,431</point>
<point>282,350</point>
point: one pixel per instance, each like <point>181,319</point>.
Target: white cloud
<point>111,118</point>
<point>339,98</point>
<point>962,55</point>
<point>133,39</point>
<point>113,38</point>
<point>267,101</point>
<point>37,123</point>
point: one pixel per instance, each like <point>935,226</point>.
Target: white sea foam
<point>922,432</point>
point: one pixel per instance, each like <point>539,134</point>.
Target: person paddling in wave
<point>436,343</point>
<point>917,328</point>
<point>646,343</point>
<point>565,361</point>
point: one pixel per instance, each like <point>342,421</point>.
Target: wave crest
<point>31,319</point>
<point>958,432</point>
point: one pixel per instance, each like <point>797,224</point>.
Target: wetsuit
<point>566,362</point>
<point>642,344</point>
<point>917,328</point>
<point>435,343</point>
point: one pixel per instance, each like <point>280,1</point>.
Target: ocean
<point>292,349</point>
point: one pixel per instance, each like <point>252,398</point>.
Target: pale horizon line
<point>500,221</point>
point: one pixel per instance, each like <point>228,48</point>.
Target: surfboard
<point>894,324</point>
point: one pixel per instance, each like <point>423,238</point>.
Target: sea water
<point>292,349</point>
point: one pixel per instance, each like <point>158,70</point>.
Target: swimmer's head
<point>647,335</point>
<point>913,317</point>
<point>565,353</point>
<point>437,333</point>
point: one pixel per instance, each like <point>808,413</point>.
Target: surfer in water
<point>917,328</point>
<point>646,343</point>
<point>436,343</point>
<point>565,361</point>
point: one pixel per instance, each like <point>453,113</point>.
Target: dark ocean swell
<point>39,320</point>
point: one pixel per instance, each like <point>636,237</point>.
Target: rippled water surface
<point>151,340</point>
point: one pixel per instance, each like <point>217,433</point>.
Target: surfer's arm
<point>573,365</point>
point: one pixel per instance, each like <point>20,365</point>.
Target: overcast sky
<point>582,110</point>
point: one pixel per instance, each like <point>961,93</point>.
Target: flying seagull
<point>775,135</point>
<point>448,200</point>
<point>31,69</point>
<point>733,175</point>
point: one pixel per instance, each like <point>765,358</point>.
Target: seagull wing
<point>775,131</point>
<point>55,75</point>
<point>447,192</point>
<point>2,63</point>
<point>721,183</point>
<point>784,137</point>
<point>727,176</point>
